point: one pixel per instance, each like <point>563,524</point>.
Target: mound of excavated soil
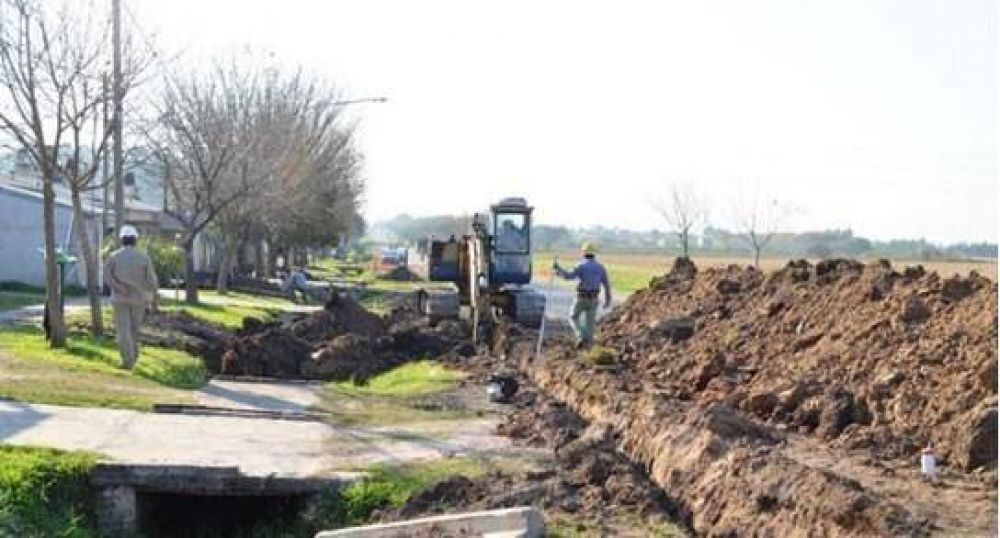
<point>180,330</point>
<point>796,404</point>
<point>862,356</point>
<point>341,341</point>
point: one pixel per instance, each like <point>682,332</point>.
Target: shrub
<point>168,260</point>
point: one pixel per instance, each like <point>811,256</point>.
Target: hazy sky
<point>878,116</point>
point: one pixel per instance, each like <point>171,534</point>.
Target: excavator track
<point>529,307</point>
<point>438,304</point>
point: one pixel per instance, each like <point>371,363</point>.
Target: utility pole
<point>105,173</point>
<point>104,182</point>
<point>116,38</point>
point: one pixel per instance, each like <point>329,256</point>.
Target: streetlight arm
<point>380,99</point>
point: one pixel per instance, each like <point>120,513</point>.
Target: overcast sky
<point>877,116</point>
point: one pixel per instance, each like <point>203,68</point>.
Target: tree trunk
<point>684,243</point>
<point>756,257</point>
<point>190,286</point>
<point>260,259</point>
<point>57,329</point>
<point>226,266</point>
<point>90,262</point>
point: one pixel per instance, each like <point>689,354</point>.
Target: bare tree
<point>88,133</point>
<point>51,60</point>
<point>683,211</point>
<point>758,218</point>
<point>198,138</point>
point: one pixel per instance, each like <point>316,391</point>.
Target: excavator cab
<point>510,260</point>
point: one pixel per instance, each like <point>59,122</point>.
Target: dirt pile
<point>862,356</point>
<point>590,481</point>
<point>180,330</point>
<point>796,403</point>
<point>341,341</point>
<point>399,274</point>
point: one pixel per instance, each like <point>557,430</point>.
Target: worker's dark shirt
<point>591,274</point>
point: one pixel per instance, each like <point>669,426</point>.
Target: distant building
<point>21,243</point>
<point>21,259</point>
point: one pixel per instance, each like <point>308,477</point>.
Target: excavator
<point>490,268</point>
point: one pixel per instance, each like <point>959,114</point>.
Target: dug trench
<point>796,404</point>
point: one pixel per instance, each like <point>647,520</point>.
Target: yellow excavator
<point>490,268</point>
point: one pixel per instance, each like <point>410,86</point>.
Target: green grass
<point>390,397</point>
<point>10,300</point>
<point>45,492</point>
<point>223,311</point>
<point>406,381</point>
<point>390,486</point>
<point>86,372</point>
<point>229,316</point>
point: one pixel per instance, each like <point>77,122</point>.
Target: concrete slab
<point>256,446</point>
<point>522,521</point>
<point>271,396</point>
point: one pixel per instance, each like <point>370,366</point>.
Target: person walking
<point>592,277</point>
<point>133,284</point>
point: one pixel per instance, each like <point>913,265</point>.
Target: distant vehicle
<point>391,258</point>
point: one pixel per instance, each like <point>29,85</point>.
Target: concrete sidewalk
<point>258,446</point>
<point>34,313</point>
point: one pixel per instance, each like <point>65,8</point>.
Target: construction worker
<point>297,281</point>
<point>592,277</point>
<point>133,284</point>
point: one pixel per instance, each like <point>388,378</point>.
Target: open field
<point>630,272</point>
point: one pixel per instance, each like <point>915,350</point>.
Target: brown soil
<point>863,357</point>
<point>399,274</point>
<point>589,481</point>
<point>796,404</point>
<point>341,341</point>
<point>180,330</point>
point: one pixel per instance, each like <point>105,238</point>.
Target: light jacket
<point>131,277</point>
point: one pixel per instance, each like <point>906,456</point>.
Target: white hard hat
<point>128,231</point>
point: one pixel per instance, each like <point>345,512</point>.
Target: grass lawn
<point>45,492</point>
<point>224,311</point>
<point>86,372</point>
<point>389,398</point>
<point>409,380</point>
<point>10,300</point>
<point>390,486</point>
<point>226,316</point>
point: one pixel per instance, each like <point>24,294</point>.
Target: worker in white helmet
<point>133,284</point>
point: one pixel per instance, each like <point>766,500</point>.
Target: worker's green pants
<point>128,319</point>
<point>584,307</point>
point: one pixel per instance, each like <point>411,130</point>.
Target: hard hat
<point>588,248</point>
<point>128,231</point>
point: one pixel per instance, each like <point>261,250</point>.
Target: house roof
<point>62,198</point>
